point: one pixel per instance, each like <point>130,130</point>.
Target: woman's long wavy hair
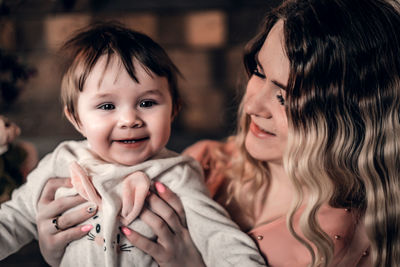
<point>343,101</point>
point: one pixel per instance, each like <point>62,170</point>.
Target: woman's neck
<point>273,202</point>
<point>270,202</point>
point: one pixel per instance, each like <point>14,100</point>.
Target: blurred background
<point>205,39</point>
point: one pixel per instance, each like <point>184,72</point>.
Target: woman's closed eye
<point>281,94</point>
<point>281,99</point>
<point>259,72</point>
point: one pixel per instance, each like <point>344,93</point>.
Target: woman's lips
<point>257,131</point>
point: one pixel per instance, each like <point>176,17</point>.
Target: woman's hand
<point>166,217</point>
<point>57,231</point>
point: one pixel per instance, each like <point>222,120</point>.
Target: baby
<point>120,92</point>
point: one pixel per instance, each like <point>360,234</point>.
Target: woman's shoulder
<point>337,222</point>
<point>346,228</point>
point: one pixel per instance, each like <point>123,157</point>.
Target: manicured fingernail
<point>126,230</point>
<point>91,208</point>
<point>86,228</point>
<point>160,187</point>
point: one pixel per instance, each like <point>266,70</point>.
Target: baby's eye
<point>147,103</point>
<point>258,72</point>
<point>106,106</point>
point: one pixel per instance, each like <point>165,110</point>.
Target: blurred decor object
<point>13,75</point>
<point>17,159</point>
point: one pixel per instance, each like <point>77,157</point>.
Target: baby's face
<point>124,121</point>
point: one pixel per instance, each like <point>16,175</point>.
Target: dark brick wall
<point>204,38</point>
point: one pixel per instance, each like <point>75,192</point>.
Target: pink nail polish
<point>160,187</point>
<point>126,230</point>
<point>86,228</point>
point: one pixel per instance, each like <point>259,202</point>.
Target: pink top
<point>274,240</point>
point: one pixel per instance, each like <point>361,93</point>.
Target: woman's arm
<point>53,241</point>
<point>213,157</point>
<point>165,216</point>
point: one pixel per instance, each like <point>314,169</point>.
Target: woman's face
<point>264,100</point>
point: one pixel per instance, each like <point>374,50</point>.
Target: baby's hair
<point>83,50</point>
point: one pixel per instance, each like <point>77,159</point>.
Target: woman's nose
<point>256,102</point>
<point>130,119</point>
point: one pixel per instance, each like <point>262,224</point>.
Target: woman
<point>316,142</point>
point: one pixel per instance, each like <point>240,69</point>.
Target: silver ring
<point>55,222</point>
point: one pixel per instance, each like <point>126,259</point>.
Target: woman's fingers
<point>74,233</point>
<point>51,187</point>
<point>58,206</point>
<point>141,242</point>
<point>160,228</point>
<point>166,212</point>
<point>169,249</point>
<point>53,246</point>
<point>56,223</point>
<point>50,208</point>
<point>77,216</point>
<point>172,200</point>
